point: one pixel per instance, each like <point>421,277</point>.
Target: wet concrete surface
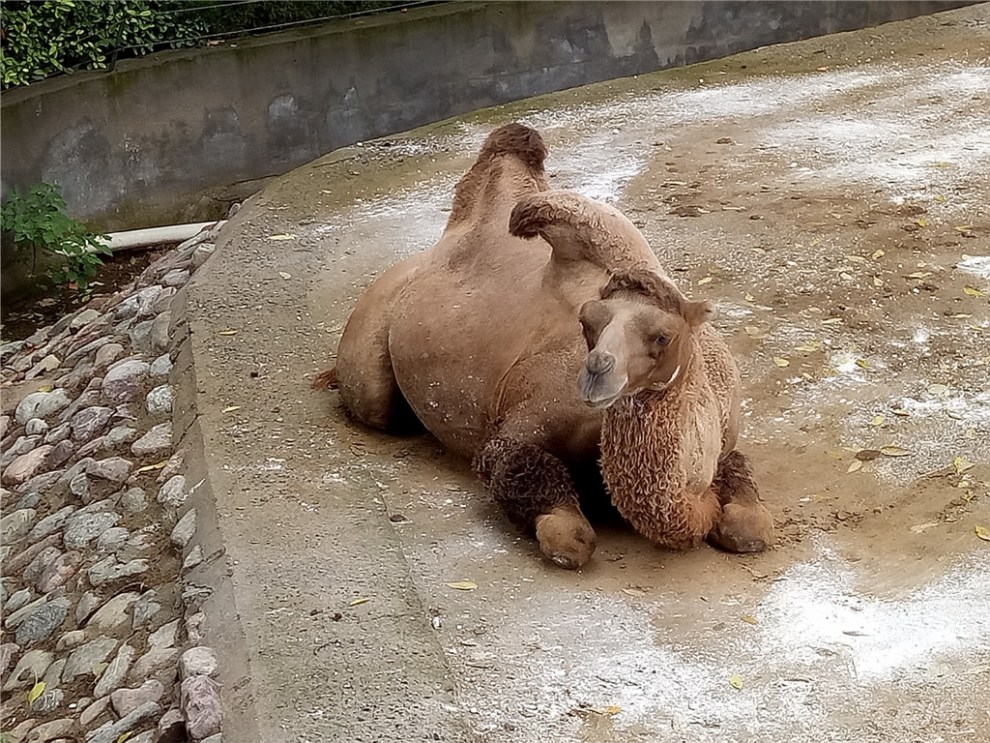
<point>830,197</point>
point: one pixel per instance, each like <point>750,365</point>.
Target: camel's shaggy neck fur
<point>659,454</point>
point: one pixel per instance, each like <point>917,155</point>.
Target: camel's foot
<point>565,537</point>
<point>743,528</point>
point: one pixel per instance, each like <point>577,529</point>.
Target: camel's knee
<point>535,490</point>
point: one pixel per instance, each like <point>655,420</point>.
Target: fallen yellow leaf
<point>878,254</point>
<point>285,275</point>
<point>151,467</point>
<point>921,222</point>
<point>961,464</point>
<point>972,291</point>
<point>463,585</point>
<point>358,602</point>
<point>748,618</point>
<point>230,408</point>
<point>878,420</point>
<point>282,237</point>
<point>36,691</point>
<point>124,736</point>
<point>895,451</point>
<point>706,280</point>
<point>855,466</point>
<point>227,332</point>
<point>45,388</point>
<point>862,363</point>
<point>781,362</point>
<point>750,298</point>
<point>736,681</point>
<point>983,533</point>
<point>832,321</point>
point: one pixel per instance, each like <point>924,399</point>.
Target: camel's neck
<point>645,431</point>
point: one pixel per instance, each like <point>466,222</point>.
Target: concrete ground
<point>831,197</point>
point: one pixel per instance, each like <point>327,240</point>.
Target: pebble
<point>202,253</point>
<point>200,702</point>
<point>40,623</point>
<point>83,318</point>
<point>173,493</point>
<point>162,366</point>
<point>153,660</point>
<point>112,540</point>
<point>29,669</point>
<point>123,381</point>
<point>71,639</point>
<point>184,529</point>
<point>134,500</point>
<point>194,558</point>
<point>17,600</point>
<point>59,572</point>
<point>176,277</point>
<point>198,661</point>
<point>159,400</point>
<point>145,608</point>
<point>115,673</point>
<point>47,364</point>
<point>50,731</point>
<point>40,564</point>
<point>120,435</point>
<point>107,355</point>
<point>15,618</point>
<point>53,676</point>
<point>86,658</point>
<point>140,336</point>
<point>125,701</point>
<point>114,469</point>
<point>59,433</point>
<point>108,570</point>
<point>14,526</point>
<point>41,405</point>
<point>79,486</point>
<point>86,606</point>
<point>24,558</point>
<point>111,732</point>
<point>113,614</point>
<point>26,466</point>
<point>89,422</point>
<point>164,636</point>
<point>84,528</point>
<point>161,332</point>
<point>157,441</point>
<point>93,711</point>
<point>61,453</point>
<point>7,652</point>
<point>28,500</point>
<point>35,427</point>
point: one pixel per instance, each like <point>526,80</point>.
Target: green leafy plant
<point>43,38</point>
<point>36,220</point>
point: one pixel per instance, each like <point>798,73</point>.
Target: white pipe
<point>175,233</point>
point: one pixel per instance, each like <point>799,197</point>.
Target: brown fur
<point>668,453</point>
<point>478,335</point>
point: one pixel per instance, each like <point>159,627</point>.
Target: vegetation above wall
<point>51,37</point>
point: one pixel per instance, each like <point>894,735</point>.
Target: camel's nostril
<point>600,362</point>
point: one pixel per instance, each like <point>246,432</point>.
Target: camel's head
<point>639,336</point>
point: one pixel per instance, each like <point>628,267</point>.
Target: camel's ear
<point>697,313</point>
<point>529,216</point>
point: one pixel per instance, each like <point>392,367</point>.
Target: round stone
<point>83,529</point>
<point>157,441</point>
<point>26,466</point>
<point>35,427</point>
<point>123,381</point>
<point>159,400</point>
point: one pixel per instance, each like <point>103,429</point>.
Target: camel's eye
<point>661,340</point>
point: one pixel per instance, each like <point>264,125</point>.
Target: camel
<point>478,339</point>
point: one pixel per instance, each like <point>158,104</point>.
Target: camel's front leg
<point>536,491</point>
<point>745,524</point>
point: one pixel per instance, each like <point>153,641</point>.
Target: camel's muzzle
<point>600,389</point>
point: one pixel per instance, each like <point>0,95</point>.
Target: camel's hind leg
<point>537,492</point>
<point>745,524</point>
<point>364,374</point>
